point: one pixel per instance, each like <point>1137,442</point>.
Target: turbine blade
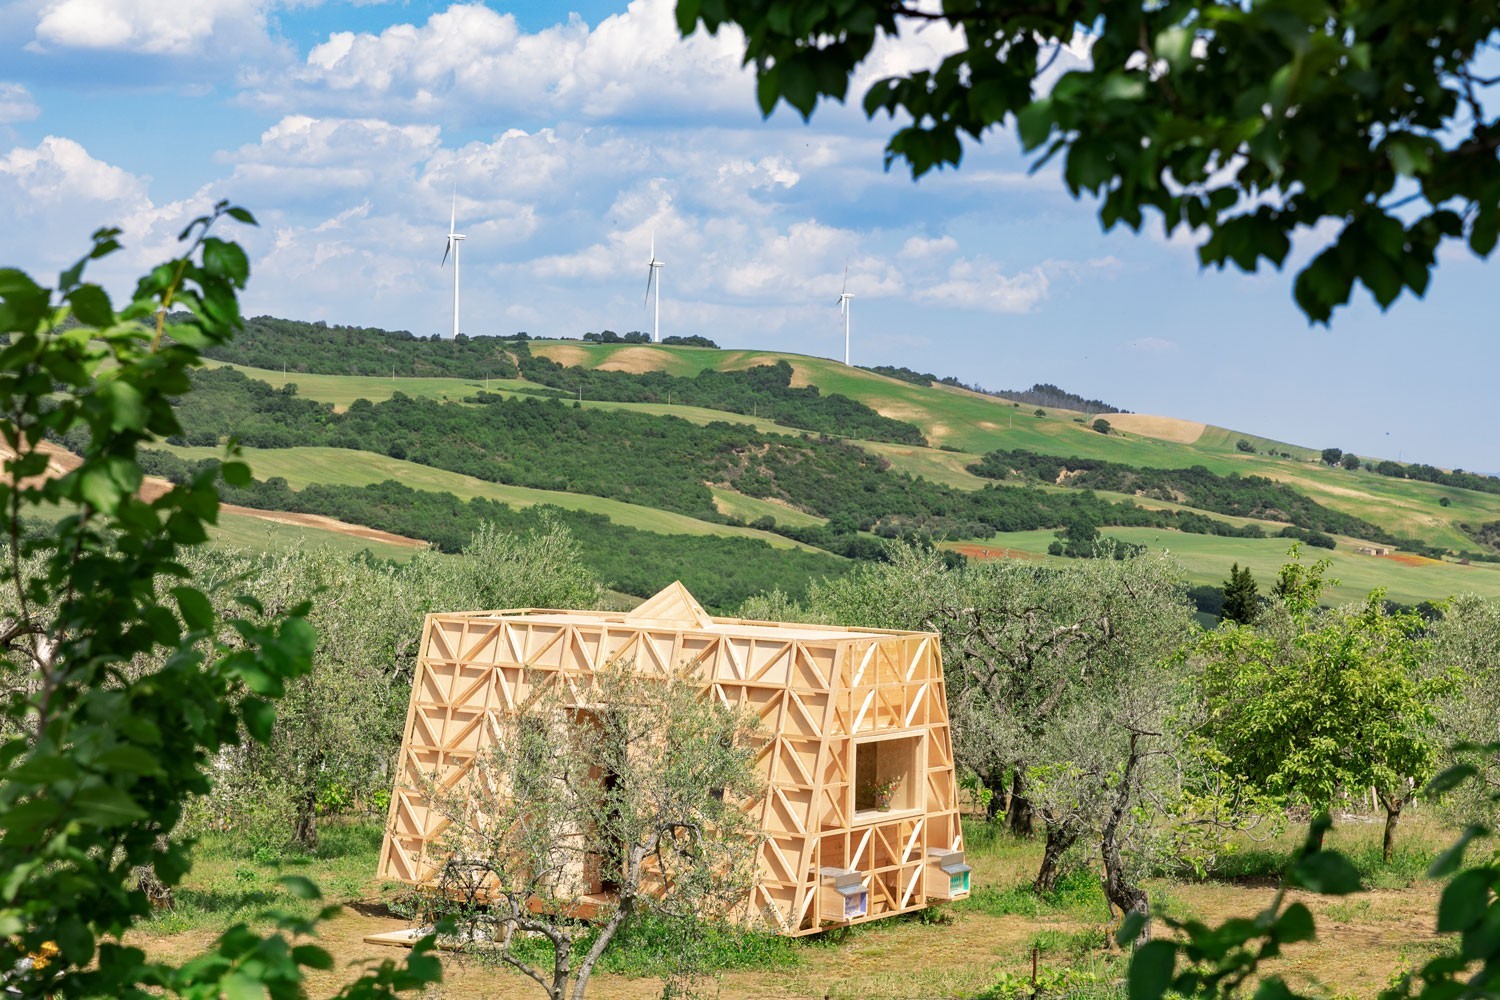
<point>845,286</point>
<point>650,277</point>
<point>453,214</point>
<point>446,247</point>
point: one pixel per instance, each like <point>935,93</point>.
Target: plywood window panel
<point>840,709</point>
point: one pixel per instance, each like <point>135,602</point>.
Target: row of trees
<point>763,390</point>
<point>1242,496</point>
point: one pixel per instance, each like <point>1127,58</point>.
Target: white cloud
<point>982,283</point>
<point>16,104</point>
<point>477,63</point>
<point>59,170</point>
<point>921,247</point>
<point>153,27</point>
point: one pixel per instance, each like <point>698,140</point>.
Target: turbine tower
<point>454,239</point>
<point>653,277</point>
<point>845,297</point>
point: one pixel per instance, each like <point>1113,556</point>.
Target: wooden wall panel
<point>819,693</point>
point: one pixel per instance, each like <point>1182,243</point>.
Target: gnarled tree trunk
<point>1061,835</point>
<point>999,803</point>
<point>1393,802</point>
<point>1022,817</point>
<point>1122,893</point>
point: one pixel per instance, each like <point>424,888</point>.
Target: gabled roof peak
<point>672,604</point>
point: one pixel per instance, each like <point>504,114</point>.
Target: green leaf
<point>1296,924</point>
<point>127,405</point>
<point>43,769</point>
<point>312,957</point>
<point>1151,970</point>
<point>240,215</point>
<point>235,473</point>
<point>239,986</point>
<point>1464,900</point>
<point>1327,873</point>
<point>196,609</point>
<point>91,305</point>
<point>1131,927</point>
<point>260,718</point>
<point>128,760</point>
<point>226,260</point>
<point>1450,779</point>
<point>106,805</point>
<point>1453,858</point>
<point>1273,988</point>
<point>687,16</point>
<point>302,888</point>
<point>75,940</point>
<point>1034,123</point>
<point>1408,155</point>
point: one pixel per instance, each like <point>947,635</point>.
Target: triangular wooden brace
<point>674,604</point>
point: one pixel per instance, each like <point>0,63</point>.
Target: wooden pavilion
<point>859,807</point>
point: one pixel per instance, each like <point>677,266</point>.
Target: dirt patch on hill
<point>60,461</point>
<point>800,377</point>
<point>1162,428</point>
<point>566,355</point>
<point>635,360</point>
<point>325,524</point>
<point>1408,559</point>
<point>971,551</point>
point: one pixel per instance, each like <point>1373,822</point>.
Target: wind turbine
<point>845,297</point>
<point>653,276</point>
<point>454,239</point>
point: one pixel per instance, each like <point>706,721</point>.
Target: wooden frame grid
<point>820,693</point>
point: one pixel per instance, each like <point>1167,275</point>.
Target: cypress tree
<point>1241,596</point>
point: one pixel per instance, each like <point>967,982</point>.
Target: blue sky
<point>572,138</point>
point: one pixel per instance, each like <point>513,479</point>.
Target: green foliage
<point>317,348</point>
<point>1241,597</point>
<point>1240,496</point>
<point>1240,123</point>
<point>1333,456</point>
<point>1313,703</point>
<point>764,390</point>
<point>659,461</point>
<point>123,682</point>
<point>1350,461</point>
<point>1221,961</point>
<point>1051,984</point>
<point>1101,425</point>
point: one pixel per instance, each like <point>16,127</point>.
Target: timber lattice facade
<point>859,804</point>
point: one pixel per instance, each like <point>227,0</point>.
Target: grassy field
<point>343,467</point>
<point>1362,938</point>
<point>1206,560</point>
<point>746,508</point>
<point>243,531</point>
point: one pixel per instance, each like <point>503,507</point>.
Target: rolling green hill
<point>960,427</point>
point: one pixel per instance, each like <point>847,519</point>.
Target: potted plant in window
<point>881,793</point>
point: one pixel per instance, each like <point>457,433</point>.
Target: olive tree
<point>1466,644</point>
<point>603,799</point>
<point>1029,653</point>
